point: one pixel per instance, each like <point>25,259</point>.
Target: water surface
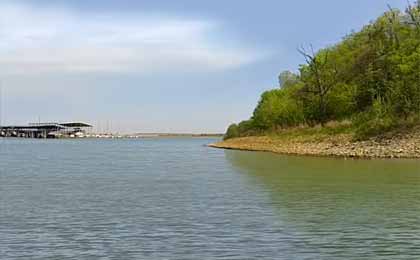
<point>175,198</point>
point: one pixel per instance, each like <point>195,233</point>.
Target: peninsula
<point>357,98</point>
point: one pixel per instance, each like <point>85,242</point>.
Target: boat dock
<point>46,130</point>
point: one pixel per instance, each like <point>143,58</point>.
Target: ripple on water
<point>177,199</point>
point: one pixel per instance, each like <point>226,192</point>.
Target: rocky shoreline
<point>397,145</point>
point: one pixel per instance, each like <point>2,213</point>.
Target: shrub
<point>278,108</point>
<point>375,121</point>
<point>232,132</point>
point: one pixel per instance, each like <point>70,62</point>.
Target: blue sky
<point>159,66</point>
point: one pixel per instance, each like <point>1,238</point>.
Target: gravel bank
<point>401,145</point>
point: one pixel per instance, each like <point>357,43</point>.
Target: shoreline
<point>399,145</point>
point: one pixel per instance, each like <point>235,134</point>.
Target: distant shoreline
<point>177,135</point>
<point>396,145</point>
<point>127,136</point>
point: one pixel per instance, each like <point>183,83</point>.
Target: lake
<point>175,198</point>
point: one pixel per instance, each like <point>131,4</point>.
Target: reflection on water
<point>335,207</point>
<point>175,198</point>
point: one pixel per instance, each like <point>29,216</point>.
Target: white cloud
<point>51,40</point>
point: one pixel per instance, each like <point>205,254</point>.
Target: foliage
<point>244,128</point>
<point>287,78</point>
<point>232,132</point>
<point>371,77</point>
<point>277,108</point>
<point>373,122</point>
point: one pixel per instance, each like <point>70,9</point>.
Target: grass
<point>314,134</point>
<point>343,130</point>
<point>335,139</point>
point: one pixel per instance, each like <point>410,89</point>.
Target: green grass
<point>313,134</point>
<point>343,131</point>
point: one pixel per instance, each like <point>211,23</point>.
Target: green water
<point>336,208</point>
<point>176,198</point>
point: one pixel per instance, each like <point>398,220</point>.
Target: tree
<point>287,78</point>
<point>232,132</point>
<point>413,13</point>
<point>278,108</point>
<point>319,76</point>
<point>372,77</point>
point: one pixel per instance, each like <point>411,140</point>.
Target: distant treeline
<point>371,78</point>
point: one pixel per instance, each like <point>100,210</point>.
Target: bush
<point>232,132</point>
<point>278,108</point>
<point>246,127</point>
<point>374,122</point>
<point>371,77</point>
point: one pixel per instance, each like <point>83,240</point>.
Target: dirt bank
<point>395,145</point>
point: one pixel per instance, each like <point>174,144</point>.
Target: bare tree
<point>323,79</point>
<point>413,12</point>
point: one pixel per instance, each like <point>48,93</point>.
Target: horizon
<point>158,67</point>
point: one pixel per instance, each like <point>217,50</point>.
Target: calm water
<point>177,199</point>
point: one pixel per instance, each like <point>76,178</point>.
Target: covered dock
<point>45,130</point>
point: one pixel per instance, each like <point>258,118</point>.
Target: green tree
<point>371,76</point>
<point>320,77</point>
<point>288,78</point>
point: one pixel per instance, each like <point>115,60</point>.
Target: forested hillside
<point>370,80</point>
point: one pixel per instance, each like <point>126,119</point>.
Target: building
<point>46,130</point>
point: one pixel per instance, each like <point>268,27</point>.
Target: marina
<point>46,130</point>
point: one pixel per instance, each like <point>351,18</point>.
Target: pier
<point>46,130</point>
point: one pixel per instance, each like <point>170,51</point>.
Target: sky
<point>159,66</point>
